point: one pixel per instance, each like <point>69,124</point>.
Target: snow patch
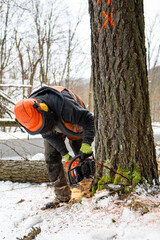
<point>38,156</point>
<point>103,217</point>
<point>32,221</point>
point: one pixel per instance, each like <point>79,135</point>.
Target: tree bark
<point>124,135</point>
<point>23,171</point>
<point>90,98</point>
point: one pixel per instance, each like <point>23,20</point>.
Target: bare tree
<point>153,51</point>
<point>46,47</point>
<point>28,64</point>
<point>48,34</point>
<point>21,59</point>
<point>33,63</point>
<point>5,42</point>
<point>152,43</point>
<point>70,50</point>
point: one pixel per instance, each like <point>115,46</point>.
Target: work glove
<point>85,151</point>
<point>67,159</point>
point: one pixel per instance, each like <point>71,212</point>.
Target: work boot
<point>55,204</point>
<point>63,195</point>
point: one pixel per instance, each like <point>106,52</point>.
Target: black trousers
<point>56,170</point>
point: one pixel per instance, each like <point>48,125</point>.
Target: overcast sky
<point>151,7</point>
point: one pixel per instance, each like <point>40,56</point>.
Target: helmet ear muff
<point>43,107</point>
<point>40,107</point>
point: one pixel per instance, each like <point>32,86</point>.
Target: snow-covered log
<point>6,122</point>
<point>16,85</point>
<point>23,171</point>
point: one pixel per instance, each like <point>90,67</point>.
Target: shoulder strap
<point>75,96</point>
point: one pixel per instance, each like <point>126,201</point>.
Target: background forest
<point>45,42</point>
<point>40,44</point>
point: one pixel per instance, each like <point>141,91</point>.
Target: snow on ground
<point>17,135</point>
<point>102,217</point>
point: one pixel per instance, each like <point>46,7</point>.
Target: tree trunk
<point>90,101</point>
<point>23,171</point>
<point>124,135</point>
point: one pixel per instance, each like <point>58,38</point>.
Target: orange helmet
<point>27,115</point>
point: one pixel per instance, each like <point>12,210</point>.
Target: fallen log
<point>36,172</point>
<point>23,171</point>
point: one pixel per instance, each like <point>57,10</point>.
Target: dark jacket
<point>63,107</point>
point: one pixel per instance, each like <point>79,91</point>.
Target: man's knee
<point>53,161</point>
<point>54,170</point>
<point>51,154</point>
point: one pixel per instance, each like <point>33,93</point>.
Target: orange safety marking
<point>109,2</point>
<point>109,18</point>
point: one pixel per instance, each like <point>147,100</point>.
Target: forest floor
<point>102,217</point>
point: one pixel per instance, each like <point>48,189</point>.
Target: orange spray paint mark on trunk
<point>109,2</point>
<point>109,18</point>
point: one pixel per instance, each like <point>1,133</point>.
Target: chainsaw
<point>79,169</point>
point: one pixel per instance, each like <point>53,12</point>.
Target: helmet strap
<point>44,113</point>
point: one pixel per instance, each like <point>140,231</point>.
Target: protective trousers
<point>56,170</point>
